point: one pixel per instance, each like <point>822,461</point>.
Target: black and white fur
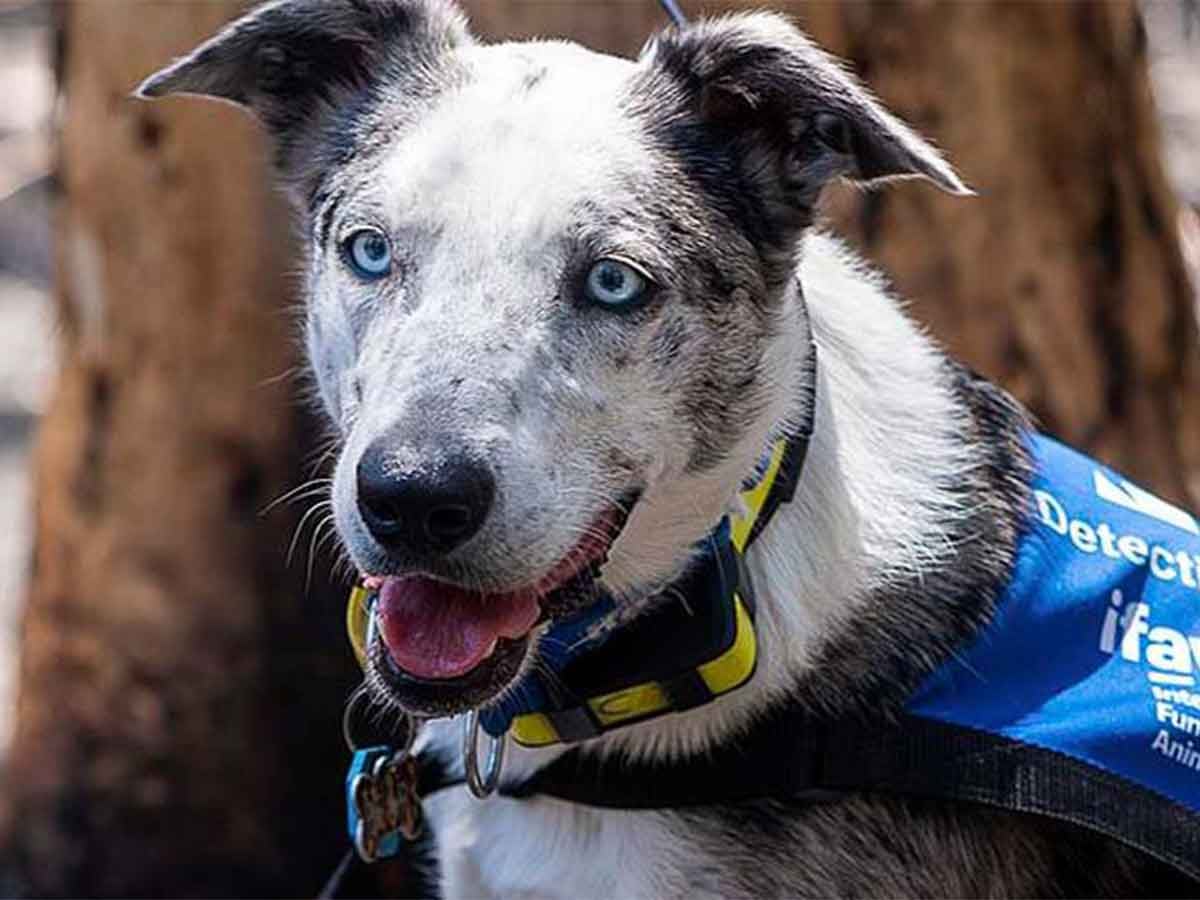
<point>498,171</point>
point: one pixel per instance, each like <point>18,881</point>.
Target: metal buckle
<point>359,696</point>
<point>485,784</point>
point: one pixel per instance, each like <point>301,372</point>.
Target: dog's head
<point>550,295</point>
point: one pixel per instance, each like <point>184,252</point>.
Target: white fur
<point>852,518</point>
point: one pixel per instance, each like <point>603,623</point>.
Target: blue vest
<point>1094,652</point>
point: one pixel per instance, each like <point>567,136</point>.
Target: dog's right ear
<point>753,87</point>
<point>293,62</point>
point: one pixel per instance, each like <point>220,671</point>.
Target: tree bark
<point>178,722</point>
<point>1064,279</point>
<point>177,730</point>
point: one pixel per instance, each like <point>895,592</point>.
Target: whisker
<point>314,546</point>
<point>314,509</point>
<point>309,488</point>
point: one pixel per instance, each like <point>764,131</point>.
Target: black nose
<point>429,508</point>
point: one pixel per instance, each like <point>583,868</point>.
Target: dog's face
<point>548,296</point>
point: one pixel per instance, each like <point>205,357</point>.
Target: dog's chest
<point>546,848</point>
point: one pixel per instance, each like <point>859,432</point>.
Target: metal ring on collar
<point>348,711</point>
<point>485,784</point>
<point>359,700</point>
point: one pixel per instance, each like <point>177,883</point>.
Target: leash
<point>672,9</point>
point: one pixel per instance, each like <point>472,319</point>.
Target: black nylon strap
<point>787,479</point>
<point>787,756</point>
<point>928,758</point>
<point>686,691</point>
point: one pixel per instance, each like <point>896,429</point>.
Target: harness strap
<point>789,757</point>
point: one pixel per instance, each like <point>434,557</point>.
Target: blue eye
<point>369,253</point>
<point>615,284</point>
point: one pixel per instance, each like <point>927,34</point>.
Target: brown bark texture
<point>1064,279</point>
<point>177,729</point>
<point>178,722</point>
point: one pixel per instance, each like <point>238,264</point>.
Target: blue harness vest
<point>1094,651</point>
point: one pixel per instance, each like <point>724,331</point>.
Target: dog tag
<point>382,805</point>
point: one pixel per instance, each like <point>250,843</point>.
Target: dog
<point>558,304</point>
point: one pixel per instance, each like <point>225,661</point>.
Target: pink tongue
<point>435,630</point>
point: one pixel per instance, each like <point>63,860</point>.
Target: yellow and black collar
<point>682,653</point>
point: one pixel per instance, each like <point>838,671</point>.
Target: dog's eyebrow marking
<point>327,204</point>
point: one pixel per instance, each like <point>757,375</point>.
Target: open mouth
<point>441,648</point>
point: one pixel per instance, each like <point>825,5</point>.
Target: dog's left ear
<point>794,115</point>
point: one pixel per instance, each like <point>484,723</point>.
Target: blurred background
<point>27,350</point>
<point>170,686</point>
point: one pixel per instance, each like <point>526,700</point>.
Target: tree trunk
<point>178,722</point>
<point>177,731</point>
<point>1064,279</point>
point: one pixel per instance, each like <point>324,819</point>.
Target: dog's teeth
<point>372,626</point>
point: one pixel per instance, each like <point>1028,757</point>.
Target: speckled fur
<point>499,171</point>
